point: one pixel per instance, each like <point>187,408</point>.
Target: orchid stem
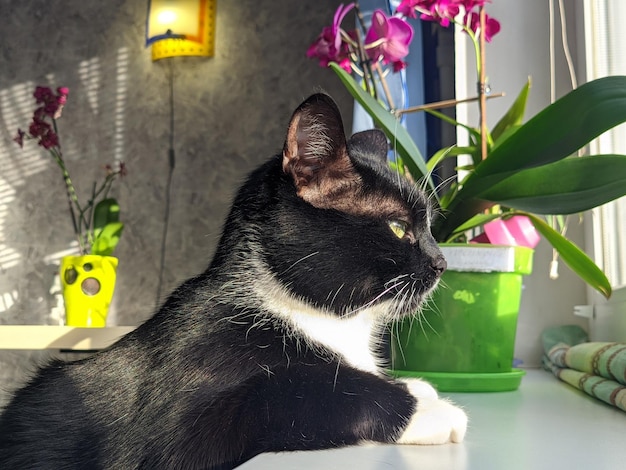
<point>72,200</point>
<point>483,88</point>
<point>368,75</point>
<point>444,104</point>
<point>383,83</point>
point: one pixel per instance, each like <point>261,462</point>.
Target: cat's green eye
<point>398,228</point>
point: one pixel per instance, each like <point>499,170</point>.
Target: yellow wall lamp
<point>181,28</point>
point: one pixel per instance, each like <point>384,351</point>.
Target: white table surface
<point>545,424</point>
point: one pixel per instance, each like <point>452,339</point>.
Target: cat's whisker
<point>395,279</point>
<point>422,319</point>
<point>336,373</point>
<point>399,300</point>
<point>394,144</point>
<point>375,299</point>
<point>300,260</point>
<point>399,344</point>
<point>352,292</point>
<point>336,294</point>
<point>444,182</point>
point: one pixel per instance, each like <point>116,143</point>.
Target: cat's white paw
<point>436,421</point>
<point>419,388</point>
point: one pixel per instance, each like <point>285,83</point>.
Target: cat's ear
<point>315,153</point>
<point>370,144</point>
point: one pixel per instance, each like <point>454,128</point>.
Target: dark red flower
<point>38,127</point>
<point>49,140</point>
<point>123,170</point>
<point>19,138</point>
<point>52,103</point>
<point>43,94</point>
<point>398,65</point>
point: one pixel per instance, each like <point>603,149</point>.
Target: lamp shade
<point>180,28</point>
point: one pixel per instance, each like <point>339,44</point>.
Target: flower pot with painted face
<point>88,284</point>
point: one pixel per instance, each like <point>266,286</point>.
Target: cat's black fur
<point>236,362</point>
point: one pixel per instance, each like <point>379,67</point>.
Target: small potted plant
<point>88,279</point>
<point>517,169</point>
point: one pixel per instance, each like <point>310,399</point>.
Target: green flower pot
<point>466,336</point>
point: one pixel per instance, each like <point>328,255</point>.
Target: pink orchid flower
<point>471,4</point>
<point>329,46</point>
<point>441,11</point>
<point>388,38</point>
<point>407,8</point>
<point>444,11</point>
<point>492,26</point>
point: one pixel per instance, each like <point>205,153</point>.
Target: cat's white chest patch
<point>351,338</point>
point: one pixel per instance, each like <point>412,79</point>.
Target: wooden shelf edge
<point>32,337</point>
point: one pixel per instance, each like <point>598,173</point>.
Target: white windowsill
<point>59,337</point>
<point>546,424</point>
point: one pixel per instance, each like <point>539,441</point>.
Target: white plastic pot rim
<point>480,258</point>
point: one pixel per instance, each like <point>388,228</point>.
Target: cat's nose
<point>439,265</point>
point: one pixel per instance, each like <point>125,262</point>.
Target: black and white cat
<point>273,347</point>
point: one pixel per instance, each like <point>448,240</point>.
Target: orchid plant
<point>96,223</point>
<point>517,168</point>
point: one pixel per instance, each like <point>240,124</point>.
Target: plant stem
<point>72,198</point>
<point>482,88</point>
<point>444,104</point>
<point>383,83</point>
<point>368,76</point>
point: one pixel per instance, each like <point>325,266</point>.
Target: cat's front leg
<point>435,421</point>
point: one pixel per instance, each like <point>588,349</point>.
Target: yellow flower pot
<point>88,283</point>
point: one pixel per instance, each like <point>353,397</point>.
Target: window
<point>605,39</point>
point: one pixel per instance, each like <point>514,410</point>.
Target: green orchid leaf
<point>448,194</point>
<point>569,186</point>
<point>475,133</point>
<point>389,124</point>
<point>101,247</point>
<point>107,239</point>
<point>558,221</point>
<point>515,115</point>
<point>451,220</point>
<point>553,134</point>
<point>476,221</point>
<point>505,135</point>
<point>574,257</point>
<point>106,211</point>
<point>447,152</point>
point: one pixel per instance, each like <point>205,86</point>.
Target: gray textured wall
<point>231,113</point>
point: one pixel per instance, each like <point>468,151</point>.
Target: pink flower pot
<point>516,231</point>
